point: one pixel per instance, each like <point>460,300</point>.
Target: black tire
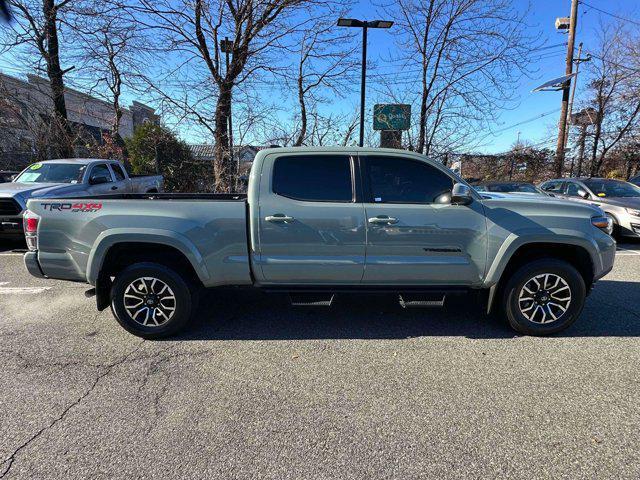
<point>615,230</point>
<point>177,319</point>
<point>514,286</point>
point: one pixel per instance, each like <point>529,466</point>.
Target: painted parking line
<point>627,252</point>
<point>22,290</point>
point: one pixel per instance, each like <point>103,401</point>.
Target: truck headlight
<point>633,212</point>
<point>603,222</point>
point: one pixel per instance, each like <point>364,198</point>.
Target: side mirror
<point>99,180</point>
<point>583,193</point>
<point>461,194</point>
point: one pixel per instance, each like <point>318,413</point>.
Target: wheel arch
<point>577,255</point>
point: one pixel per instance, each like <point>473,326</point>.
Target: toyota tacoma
<point>323,221</point>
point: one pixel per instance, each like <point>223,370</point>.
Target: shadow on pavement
<point>8,246</point>
<point>253,315</point>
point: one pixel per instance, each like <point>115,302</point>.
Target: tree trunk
<point>303,115</point>
<point>222,166</point>
<point>63,147</point>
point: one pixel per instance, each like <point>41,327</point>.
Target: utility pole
<point>564,110</point>
<point>513,157</point>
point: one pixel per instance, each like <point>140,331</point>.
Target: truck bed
<point>165,196</point>
<point>210,230</point>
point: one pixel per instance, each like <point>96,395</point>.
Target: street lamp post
<point>364,25</point>
<point>226,46</point>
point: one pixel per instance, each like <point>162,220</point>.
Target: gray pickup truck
<point>319,222</point>
<point>66,178</point>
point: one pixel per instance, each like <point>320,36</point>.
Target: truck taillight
<point>30,222</point>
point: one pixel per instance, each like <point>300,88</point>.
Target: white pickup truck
<point>67,178</point>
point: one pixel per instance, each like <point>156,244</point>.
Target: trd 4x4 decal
<point>72,207</point>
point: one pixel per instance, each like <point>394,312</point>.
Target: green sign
<point>391,117</point>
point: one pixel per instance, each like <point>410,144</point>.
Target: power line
<point>529,120</point>
<point>619,17</point>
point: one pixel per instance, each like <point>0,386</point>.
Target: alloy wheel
<point>544,298</point>
<point>149,301</point>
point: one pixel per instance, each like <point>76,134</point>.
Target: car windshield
<point>512,187</point>
<point>52,173</point>
<point>612,188</point>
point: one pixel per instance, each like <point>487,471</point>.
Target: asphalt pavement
<point>258,389</point>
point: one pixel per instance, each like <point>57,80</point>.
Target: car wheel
<point>151,300</point>
<point>544,297</point>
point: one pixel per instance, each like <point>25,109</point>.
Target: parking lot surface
<point>257,389</point>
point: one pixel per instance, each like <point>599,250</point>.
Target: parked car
<point>321,221</point>
<point>7,176</point>
<point>619,200</point>
<point>64,178</point>
<point>509,187</point>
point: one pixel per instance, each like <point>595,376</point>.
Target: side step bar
<point>311,299</point>
<point>421,301</point>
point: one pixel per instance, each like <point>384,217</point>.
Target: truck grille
<point>9,207</point>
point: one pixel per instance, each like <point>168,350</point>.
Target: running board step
<point>311,299</point>
<point>412,300</point>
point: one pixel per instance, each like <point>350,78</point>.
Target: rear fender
<point>111,237</point>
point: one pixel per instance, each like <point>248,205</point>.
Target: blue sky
<point>547,64</point>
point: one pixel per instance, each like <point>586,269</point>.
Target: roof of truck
<point>333,149</point>
<point>82,161</point>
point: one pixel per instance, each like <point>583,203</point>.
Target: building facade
<point>24,102</point>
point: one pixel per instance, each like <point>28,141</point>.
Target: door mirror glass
<point>99,180</point>
<point>461,194</point>
<point>583,193</point>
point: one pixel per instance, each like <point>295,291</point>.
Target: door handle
<point>279,217</point>
<point>114,188</point>
<point>383,220</point>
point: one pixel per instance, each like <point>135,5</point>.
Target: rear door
<point>311,227</point>
<point>414,235</point>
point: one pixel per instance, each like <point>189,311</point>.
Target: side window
<point>572,189</point>
<point>117,171</point>
<point>553,187</point>
<point>315,178</point>
<point>399,180</point>
<point>100,170</point>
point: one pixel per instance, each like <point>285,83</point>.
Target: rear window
<point>315,178</point>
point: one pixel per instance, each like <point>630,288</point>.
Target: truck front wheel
<point>151,300</point>
<point>544,297</point>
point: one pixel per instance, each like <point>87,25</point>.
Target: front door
<point>414,235</point>
<point>100,170</point>
<point>311,228</point>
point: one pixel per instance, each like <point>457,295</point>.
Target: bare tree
<point>459,61</point>
<point>36,30</point>
<point>614,91</point>
<point>195,29</point>
<point>324,59</point>
<point>113,54</point>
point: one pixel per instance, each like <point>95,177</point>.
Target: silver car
<point>619,200</point>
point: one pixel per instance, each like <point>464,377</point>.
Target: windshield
<point>612,188</point>
<point>511,187</point>
<point>52,173</point>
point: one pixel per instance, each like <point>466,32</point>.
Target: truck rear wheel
<point>544,297</point>
<point>151,300</point>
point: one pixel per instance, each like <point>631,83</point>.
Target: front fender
<point>111,237</point>
<point>514,241</point>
